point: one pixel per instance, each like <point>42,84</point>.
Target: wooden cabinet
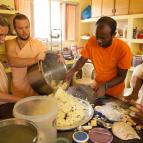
<point>115,7</point>
<point>136,6</point>
<point>96,8</point>
<point>121,7</point>
<point>107,7</point>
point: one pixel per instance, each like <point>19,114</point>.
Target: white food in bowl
<point>70,109</point>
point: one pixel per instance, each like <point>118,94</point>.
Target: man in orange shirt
<point>110,56</point>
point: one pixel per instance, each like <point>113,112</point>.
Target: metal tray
<point>88,115</point>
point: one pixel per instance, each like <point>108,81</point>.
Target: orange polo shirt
<point>106,61</point>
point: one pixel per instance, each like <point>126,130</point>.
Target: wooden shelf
<point>120,17</point>
<point>137,40</point>
<point>131,69</point>
<point>84,37</point>
<point>8,12</point>
<point>123,39</point>
<point>10,37</point>
<point>87,37</point>
<point>89,20</point>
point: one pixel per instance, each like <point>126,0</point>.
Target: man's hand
<point>130,96</point>
<point>95,86</point>
<point>138,115</point>
<point>16,97</point>
<point>99,89</point>
<point>69,76</point>
<point>40,57</point>
<point>76,67</point>
<point>60,58</point>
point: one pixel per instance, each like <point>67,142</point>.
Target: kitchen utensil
<point>45,77</point>
<point>18,131</point>
<point>42,110</point>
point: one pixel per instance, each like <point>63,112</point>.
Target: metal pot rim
<point>38,117</point>
<point>28,123</point>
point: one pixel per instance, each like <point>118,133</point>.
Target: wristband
<point>106,86</point>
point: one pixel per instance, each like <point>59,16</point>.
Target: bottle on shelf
<point>134,32</point>
<point>125,31</point>
<point>74,50</point>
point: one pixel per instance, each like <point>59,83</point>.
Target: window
<point>41,19</point>
<point>25,7</point>
<point>52,15</point>
<point>71,22</point>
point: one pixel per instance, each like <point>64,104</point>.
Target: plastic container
<point>18,131</point>
<point>42,110</point>
<point>100,135</point>
<point>62,140</point>
<point>80,137</point>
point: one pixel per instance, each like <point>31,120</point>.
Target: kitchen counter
<point>99,101</point>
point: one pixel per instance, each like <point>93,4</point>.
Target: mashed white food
<point>70,109</point>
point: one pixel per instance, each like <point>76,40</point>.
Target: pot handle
<point>40,66</point>
<point>35,140</point>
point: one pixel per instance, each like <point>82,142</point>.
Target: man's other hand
<point>60,58</point>
<point>99,89</point>
<point>69,76</point>
<point>138,114</point>
<point>40,57</point>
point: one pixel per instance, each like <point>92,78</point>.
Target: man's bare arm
<point>13,59</point>
<point>118,79</point>
<point>21,62</point>
<point>100,90</point>
<point>4,97</point>
<point>77,66</point>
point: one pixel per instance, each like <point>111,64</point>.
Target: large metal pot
<point>18,131</point>
<point>46,75</point>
